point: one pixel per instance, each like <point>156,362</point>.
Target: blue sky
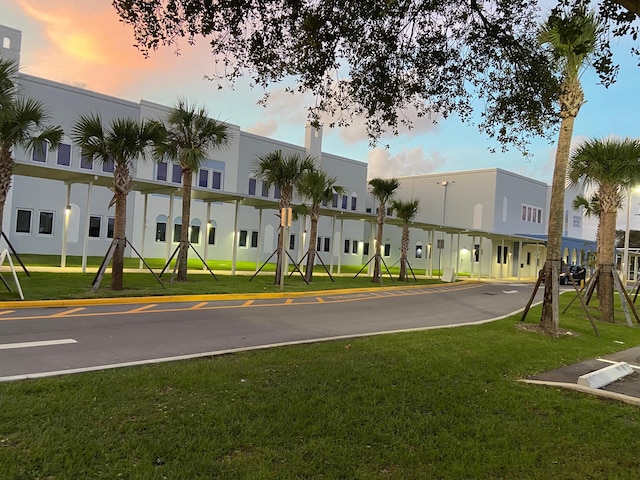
<point>83,43</point>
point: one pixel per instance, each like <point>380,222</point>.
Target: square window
<point>211,239</point>
<point>176,173</point>
<point>23,221</point>
<point>177,230</point>
<point>161,231</point>
<point>161,171</point>
<point>108,166</point>
<point>110,226</point>
<point>242,242</point>
<point>365,248</point>
<point>216,180</point>
<point>252,186</point>
<point>45,227</point>
<point>254,239</point>
<point>194,234</point>
<point>64,155</point>
<point>265,189</point>
<point>276,192</point>
<point>94,226</point>
<point>86,162</point>
<point>39,152</point>
<point>203,178</point>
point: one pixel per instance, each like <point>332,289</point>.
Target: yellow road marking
<point>68,312</point>
<point>198,306</point>
<point>247,303</point>
<point>143,308</point>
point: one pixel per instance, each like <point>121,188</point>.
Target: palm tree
<point>122,142</point>
<point>190,134</point>
<point>405,211</point>
<point>317,187</point>
<point>571,38</point>
<point>383,190</point>
<point>613,166</point>
<point>283,171</point>
<point>23,123</point>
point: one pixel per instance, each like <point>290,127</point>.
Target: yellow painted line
<point>7,312</point>
<point>289,301</point>
<point>67,313</point>
<point>143,308</point>
<point>320,299</point>
<point>247,303</point>
<point>198,306</point>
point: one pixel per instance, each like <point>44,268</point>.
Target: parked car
<point>578,273</point>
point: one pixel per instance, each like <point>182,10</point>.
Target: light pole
<point>625,255</point>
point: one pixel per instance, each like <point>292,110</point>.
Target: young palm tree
<point>190,134</point>
<point>23,123</point>
<point>405,211</point>
<point>317,187</point>
<point>613,166</point>
<point>383,190</point>
<point>283,171</point>
<point>572,39</point>
<point>122,142</point>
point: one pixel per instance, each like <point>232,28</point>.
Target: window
<point>161,171</point>
<point>531,214</point>
<point>94,226</point>
<point>110,226</point>
<point>528,258</point>
<point>389,211</point>
<point>368,210</point>
<point>161,231</point>
<point>242,242</point>
<point>347,246</point>
<point>252,186</point>
<point>86,162</point>
<point>344,202</point>
<point>177,231</point>
<point>211,240</point>
<point>203,178</point>
<point>503,253</point>
<point>387,249</point>
<point>292,242</point>
<point>365,248</point>
<point>334,202</point>
<point>354,202</point>
<point>23,221</point>
<point>194,234</point>
<point>354,246</point>
<point>64,155</point>
<point>319,244</point>
<point>176,173</point>
<point>39,152</point>
<point>45,226</point>
<point>276,192</point>
<point>254,239</point>
<point>265,189</point>
<point>327,244</point>
<point>476,252</point>
<point>418,250</point>
<point>216,180</point>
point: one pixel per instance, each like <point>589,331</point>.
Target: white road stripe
<point>43,343</point>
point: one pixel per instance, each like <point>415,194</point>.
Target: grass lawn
<point>439,404</point>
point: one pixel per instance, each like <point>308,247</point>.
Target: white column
<point>235,239</point>
<point>340,251</point>
<point>259,249</point>
<point>144,229</point>
<point>169,229</point>
<point>87,216</point>
<point>65,228</point>
<point>207,230</point>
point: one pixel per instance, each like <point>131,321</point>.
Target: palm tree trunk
<point>119,234</point>
<point>377,277</point>
<point>183,253</point>
<point>311,254</point>
<point>6,174</point>
<point>605,279</point>
<point>549,319</point>
<point>404,247</point>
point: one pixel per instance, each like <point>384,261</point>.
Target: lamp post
<point>625,255</point>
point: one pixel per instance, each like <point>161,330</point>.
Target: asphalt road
<point>37,342</point>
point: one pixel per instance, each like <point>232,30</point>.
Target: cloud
<point>382,163</point>
<point>265,129</point>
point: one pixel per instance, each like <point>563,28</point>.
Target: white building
<point>483,222</point>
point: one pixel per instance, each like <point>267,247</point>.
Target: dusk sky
<point>84,44</point>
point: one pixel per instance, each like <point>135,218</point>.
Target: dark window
<point>334,202</point>
<point>276,192</point>
<point>216,180</point>
<point>39,152</point>
<point>94,226</point>
<point>64,155</point>
<point>176,173</point>
<point>108,166</point>
<point>177,230</point>
<point>265,189</point>
<point>203,178</point>
<point>387,249</point>
<point>252,186</point>
<point>292,242</point>
<point>86,162</point>
<point>389,211</point>
<point>354,247</point>
<point>365,248</point>
<point>243,238</point>
<point>319,244</point>
<point>476,252</point>
<point>368,210</point>
<point>161,231</point>
<point>327,244</point>
<point>23,221</point>
<point>212,236</point>
<point>254,239</point>
<point>344,202</point>
<point>418,250</point>
<point>347,246</point>
<point>194,236</point>
<point>45,226</point>
<point>499,256</point>
<point>505,252</point>
<point>528,258</point>
<point>110,226</point>
<point>354,202</point>
<point>324,203</point>
<point>161,171</point>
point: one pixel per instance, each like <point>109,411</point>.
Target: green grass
<point>441,404</point>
